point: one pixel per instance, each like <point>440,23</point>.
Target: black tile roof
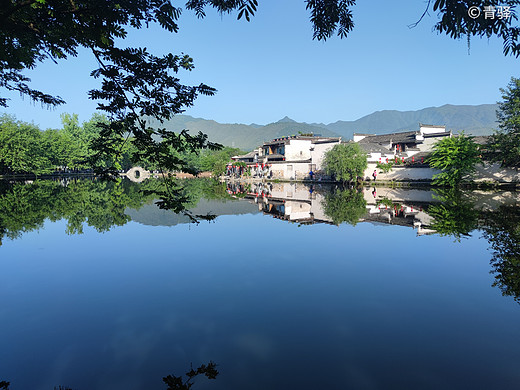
<point>404,137</point>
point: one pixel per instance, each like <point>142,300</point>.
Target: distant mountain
<point>246,137</point>
<point>476,120</point>
<point>286,119</point>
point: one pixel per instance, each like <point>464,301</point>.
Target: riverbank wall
<point>491,173</point>
<point>486,175</point>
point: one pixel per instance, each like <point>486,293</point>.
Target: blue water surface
<point>276,305</point>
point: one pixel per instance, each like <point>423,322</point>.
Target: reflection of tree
<point>502,230</point>
<point>173,382</point>
<point>344,205</point>
<point>455,216</point>
<point>177,383</point>
<point>99,204</point>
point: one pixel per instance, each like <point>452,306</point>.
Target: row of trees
<point>24,148</point>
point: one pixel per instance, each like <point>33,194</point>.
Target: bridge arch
<point>137,174</point>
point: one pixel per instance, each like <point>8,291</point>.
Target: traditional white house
<point>290,158</point>
<point>409,146</point>
<point>402,145</point>
<point>295,157</point>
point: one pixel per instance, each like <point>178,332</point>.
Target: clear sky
<point>270,67</point>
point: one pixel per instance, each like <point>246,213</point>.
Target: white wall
<point>318,154</point>
<point>290,171</point>
<point>428,143</point>
<point>493,172</point>
<point>402,173</point>
<point>432,129</point>
<point>487,172</point>
<point>298,149</point>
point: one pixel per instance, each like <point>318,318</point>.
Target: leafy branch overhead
<point>456,22</point>
<point>32,31</point>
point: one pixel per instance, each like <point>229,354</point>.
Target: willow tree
<point>345,162</point>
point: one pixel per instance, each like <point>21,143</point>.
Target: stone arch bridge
<point>137,174</point>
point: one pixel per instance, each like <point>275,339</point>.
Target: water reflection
<point>444,212</point>
<point>501,228</point>
<point>172,381</point>
<point>366,302</point>
<point>24,206</point>
<point>103,205</point>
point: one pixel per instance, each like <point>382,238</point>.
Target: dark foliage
<point>178,383</point>
<point>504,144</point>
<point>456,22</point>
<point>502,230</point>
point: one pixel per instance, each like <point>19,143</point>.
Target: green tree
<point>456,157</point>
<point>21,147</point>
<point>344,205</point>
<point>345,162</point>
<point>504,144</point>
<point>59,148</point>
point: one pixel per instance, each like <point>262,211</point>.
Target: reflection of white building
<point>290,158</point>
<point>305,204</point>
<point>404,207</point>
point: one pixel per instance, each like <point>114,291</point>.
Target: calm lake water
<point>290,287</point>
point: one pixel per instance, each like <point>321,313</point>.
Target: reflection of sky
<point>275,305</point>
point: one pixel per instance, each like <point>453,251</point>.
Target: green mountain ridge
<point>476,120</point>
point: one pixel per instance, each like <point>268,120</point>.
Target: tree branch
<point>413,25</point>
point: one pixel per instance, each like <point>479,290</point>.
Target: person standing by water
<point>311,174</point>
<point>374,175</point>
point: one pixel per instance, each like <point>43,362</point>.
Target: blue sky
<point>271,67</point>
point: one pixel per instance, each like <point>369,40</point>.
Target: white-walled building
<point>289,158</point>
<point>403,145</point>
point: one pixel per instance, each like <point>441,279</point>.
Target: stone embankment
<point>403,176</point>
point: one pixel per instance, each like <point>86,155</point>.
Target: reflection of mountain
<point>150,214</point>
